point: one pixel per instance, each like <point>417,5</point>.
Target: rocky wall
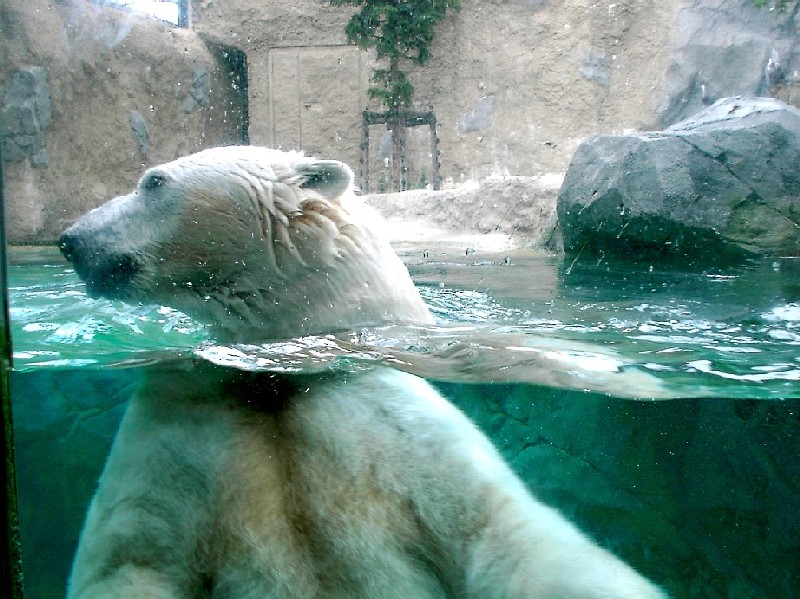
<point>723,48</point>
<point>515,85</point>
<point>91,95</point>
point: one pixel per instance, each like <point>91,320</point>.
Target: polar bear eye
<point>154,181</point>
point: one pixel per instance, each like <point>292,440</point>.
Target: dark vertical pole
<point>437,178</point>
<point>364,152</point>
<point>242,79</point>
<point>185,14</point>
<point>402,132</point>
<point>10,560</point>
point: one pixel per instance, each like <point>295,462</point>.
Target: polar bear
<point>228,484</point>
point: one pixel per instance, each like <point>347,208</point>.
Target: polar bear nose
<point>67,244</point>
<point>105,274</point>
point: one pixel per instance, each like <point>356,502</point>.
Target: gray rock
<point>26,114</point>
<point>597,67</point>
<point>199,90</point>
<point>722,185</point>
<point>139,131</point>
<point>481,117</point>
<point>521,208</point>
<point>40,158</point>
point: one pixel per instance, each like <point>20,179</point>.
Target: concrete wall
<point>307,86</point>
<point>90,96</point>
<point>318,93</point>
<point>515,85</point>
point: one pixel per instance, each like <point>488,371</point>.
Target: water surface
<point>631,330</point>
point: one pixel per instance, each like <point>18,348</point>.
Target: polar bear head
<point>260,243</point>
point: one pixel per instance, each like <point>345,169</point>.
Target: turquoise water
<point>517,317</point>
<point>699,492</point>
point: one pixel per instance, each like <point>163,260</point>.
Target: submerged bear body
<point>235,485</point>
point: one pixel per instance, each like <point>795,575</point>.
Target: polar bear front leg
<point>142,538</point>
<point>517,547</point>
<point>501,541</point>
<point>529,551</point>
<point>129,581</point>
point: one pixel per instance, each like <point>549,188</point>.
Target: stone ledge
<point>501,211</point>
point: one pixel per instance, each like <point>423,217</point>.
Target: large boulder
<point>724,184</point>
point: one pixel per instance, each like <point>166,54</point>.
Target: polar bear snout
<point>105,274</point>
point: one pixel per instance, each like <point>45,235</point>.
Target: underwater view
<point>598,205</point>
<point>657,409</point>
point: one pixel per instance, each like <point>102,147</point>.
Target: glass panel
<point>612,282</point>
<point>10,561</point>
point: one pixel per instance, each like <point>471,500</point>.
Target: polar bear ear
<point>329,178</point>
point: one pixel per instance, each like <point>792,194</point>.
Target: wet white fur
<point>262,244</point>
<point>367,485</point>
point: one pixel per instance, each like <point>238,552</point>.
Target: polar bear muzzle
<point>105,275</point>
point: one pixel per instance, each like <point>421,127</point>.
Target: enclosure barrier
<point>11,560</point>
